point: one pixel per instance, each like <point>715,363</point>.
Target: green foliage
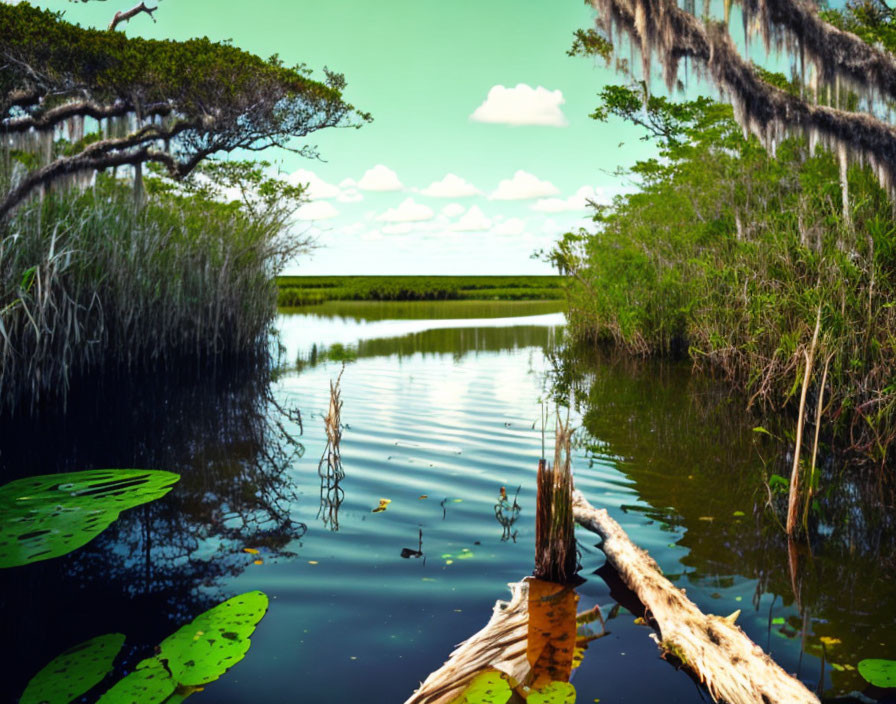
<point>304,290</point>
<point>880,673</point>
<point>189,274</point>
<point>874,22</point>
<point>196,654</point>
<point>587,42</point>
<point>51,515</point>
<point>728,253</point>
<point>487,687</point>
<point>73,673</point>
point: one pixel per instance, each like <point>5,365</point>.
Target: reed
<point>87,285</point>
<point>329,469</point>
<point>555,546</point>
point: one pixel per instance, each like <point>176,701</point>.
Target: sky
<point>481,151</point>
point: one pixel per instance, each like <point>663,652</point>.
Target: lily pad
<point>149,683</point>
<point>51,515</point>
<point>488,687</point>
<point>880,673</point>
<point>554,693</point>
<point>215,641</point>
<point>73,673</point>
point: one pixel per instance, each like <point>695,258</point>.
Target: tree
<point>834,55</point>
<point>172,103</point>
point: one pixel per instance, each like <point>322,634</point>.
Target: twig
<point>125,15</point>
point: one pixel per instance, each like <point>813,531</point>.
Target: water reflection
<point>699,471</point>
<point>164,562</point>
<point>507,514</point>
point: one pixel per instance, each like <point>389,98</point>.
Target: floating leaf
<point>738,514</point>
<point>827,640</point>
<point>382,506</point>
<point>488,687</point>
<point>150,683</point>
<point>880,673</point>
<point>251,551</point>
<point>50,515</point>
<point>554,693</point>
<point>215,641</point>
<point>778,621</point>
<point>423,496</point>
<point>77,670</point>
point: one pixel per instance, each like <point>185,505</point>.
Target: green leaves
<point>880,673</point>
<point>196,654</point>
<point>73,673</point>
<point>488,687</point>
<point>50,515</point>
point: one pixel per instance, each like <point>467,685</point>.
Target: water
<point>440,411</point>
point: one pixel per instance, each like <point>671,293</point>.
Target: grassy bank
<point>732,256</point>
<point>87,284</point>
<point>306,290</point>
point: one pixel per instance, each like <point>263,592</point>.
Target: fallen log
<point>733,668</point>
<point>501,645</point>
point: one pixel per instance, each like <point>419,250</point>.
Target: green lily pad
<point>554,693</point>
<point>50,515</point>
<point>149,683</point>
<point>215,641</point>
<point>195,654</point>
<point>880,673</point>
<point>77,670</point>
<point>488,687</point>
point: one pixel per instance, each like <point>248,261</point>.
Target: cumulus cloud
<point>451,187</point>
<point>577,201</point>
<point>379,178</point>
<point>452,210</point>
<point>350,195</point>
<point>317,188</point>
<point>407,211</point>
<point>511,226</point>
<point>523,105</point>
<point>474,220</point>
<point>317,210</point>
<point>523,185</point>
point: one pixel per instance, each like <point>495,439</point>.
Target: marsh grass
<point>307,290</point>
<point>88,284</point>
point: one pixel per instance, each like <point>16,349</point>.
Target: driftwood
<point>500,645</point>
<point>733,668</point>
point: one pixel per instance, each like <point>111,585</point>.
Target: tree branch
<point>125,15</point>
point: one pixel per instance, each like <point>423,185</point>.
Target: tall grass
<point>87,284</point>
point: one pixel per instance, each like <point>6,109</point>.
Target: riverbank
<point>309,290</point>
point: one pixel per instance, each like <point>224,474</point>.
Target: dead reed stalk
<point>794,497</point>
<point>329,469</point>
<point>555,547</point>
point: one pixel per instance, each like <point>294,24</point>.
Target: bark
<point>125,15</point>
<point>733,668</point>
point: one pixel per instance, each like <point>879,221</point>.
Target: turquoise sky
<point>422,68</point>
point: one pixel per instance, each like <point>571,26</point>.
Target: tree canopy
<point>144,100</point>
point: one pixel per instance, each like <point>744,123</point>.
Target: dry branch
<point>733,668</point>
<point>125,15</point>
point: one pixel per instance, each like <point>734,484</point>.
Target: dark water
<point>444,408</point>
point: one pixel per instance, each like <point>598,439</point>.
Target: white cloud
<point>407,211</point>
<point>452,210</point>
<point>348,183</point>
<point>577,201</point>
<point>350,195</point>
<point>317,210</point>
<point>523,185</point>
<point>379,178</point>
<point>474,220</point>
<point>356,228</point>
<point>451,187</point>
<point>523,105</point>
<point>511,226</point>
<point>317,187</point>
<point>372,236</point>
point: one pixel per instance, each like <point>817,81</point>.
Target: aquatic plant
<point>88,286</point>
<point>50,515</point>
<point>555,545</point>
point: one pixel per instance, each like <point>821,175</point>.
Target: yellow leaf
<point>312,562</point>
<point>827,640</point>
<point>259,562</point>
<point>382,506</point>
<point>423,496</point>
<point>251,551</point>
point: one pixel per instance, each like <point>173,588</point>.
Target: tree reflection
<point>232,443</point>
<point>700,470</point>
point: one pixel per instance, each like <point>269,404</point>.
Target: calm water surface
<point>440,411</point>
